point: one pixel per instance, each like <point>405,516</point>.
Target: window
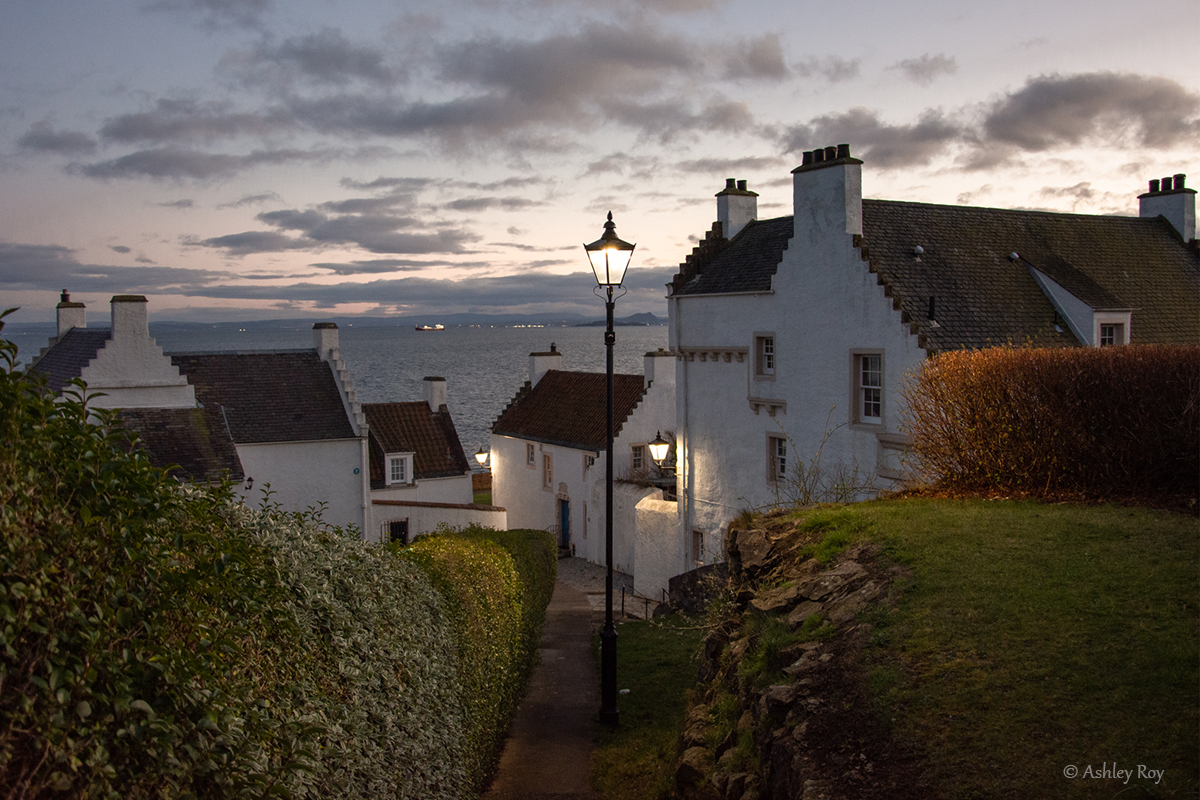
<point>637,457</point>
<point>547,471</point>
<point>776,458</point>
<point>397,531</point>
<point>868,388</point>
<point>764,356</point>
<point>588,463</point>
<point>698,548</point>
<point>399,469</point>
<point>530,455</point>
<point>1112,334</point>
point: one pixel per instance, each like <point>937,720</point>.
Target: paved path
<point>549,749</point>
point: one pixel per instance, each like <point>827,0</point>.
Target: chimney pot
<point>741,185</point>
<point>818,156</point>
<point>1154,186</point>
<point>843,151</point>
<point>807,159</point>
<point>830,153</point>
<point>1179,179</point>
<point>1166,184</point>
<point>729,183</point>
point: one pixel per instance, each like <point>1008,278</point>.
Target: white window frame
<point>861,393</point>
<point>405,463</point>
<point>765,356</point>
<point>777,449</point>
<point>530,455</point>
<point>1120,322</point>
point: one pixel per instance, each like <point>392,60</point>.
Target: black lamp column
<point>608,637</point>
<point>609,257</point>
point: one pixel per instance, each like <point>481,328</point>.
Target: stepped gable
<point>193,442</point>
<point>744,264</point>
<point>65,359</point>
<point>275,396</point>
<point>413,428</point>
<point>569,409</point>
<point>982,297</point>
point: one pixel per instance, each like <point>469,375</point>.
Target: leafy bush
<point>1093,421</point>
<point>496,610</point>
<point>163,640</point>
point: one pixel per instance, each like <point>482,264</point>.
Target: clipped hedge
<point>1112,421</point>
<point>159,640</point>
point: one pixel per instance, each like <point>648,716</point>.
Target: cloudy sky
<point>246,159</point>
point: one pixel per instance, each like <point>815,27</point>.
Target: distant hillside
<point>644,320</point>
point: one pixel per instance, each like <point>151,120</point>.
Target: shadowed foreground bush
<point>1093,421</point>
<point>165,641</point>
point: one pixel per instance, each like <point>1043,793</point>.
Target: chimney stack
<point>1171,198</point>
<point>827,196</point>
<point>129,319</point>
<point>70,315</point>
<point>541,363</point>
<point>737,207</point>
<point>435,393</point>
<point>325,338</point>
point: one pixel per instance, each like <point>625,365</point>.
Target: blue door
<point>564,523</point>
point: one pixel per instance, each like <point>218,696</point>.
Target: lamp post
<point>482,457</point>
<point>609,257</point>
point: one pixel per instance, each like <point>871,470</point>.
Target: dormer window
<point>399,469</point>
<point>1112,334</point>
<point>1110,328</point>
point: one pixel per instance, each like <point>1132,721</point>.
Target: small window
<point>397,531</point>
<point>1112,334</point>
<point>399,469</point>
<point>530,455</point>
<point>764,356</point>
<point>637,457</point>
<point>698,547</point>
<point>547,471</point>
<point>868,388</point>
<point>777,456</point>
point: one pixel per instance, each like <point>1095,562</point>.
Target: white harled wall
<point>825,304</point>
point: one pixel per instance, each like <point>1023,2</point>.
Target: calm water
<point>483,367</point>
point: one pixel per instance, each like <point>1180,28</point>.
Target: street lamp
<point>658,448</point>
<point>609,257</point>
<point>482,457</point>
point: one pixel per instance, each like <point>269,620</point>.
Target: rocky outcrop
<point>781,711</point>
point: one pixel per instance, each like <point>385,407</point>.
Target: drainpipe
<point>684,489</point>
<point>368,528</point>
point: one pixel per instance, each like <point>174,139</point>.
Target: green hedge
<point>164,641</point>
<point>1092,421</point>
<point>497,604</point>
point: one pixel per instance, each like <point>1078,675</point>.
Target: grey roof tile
<point>194,441</point>
<point>67,357</point>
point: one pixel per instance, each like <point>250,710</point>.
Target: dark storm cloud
<point>27,266</point>
<point>42,137</point>
<point>170,162</point>
<point>833,68</point>
<point>883,144</point>
<point>326,57</point>
<point>760,58</point>
<point>486,203</point>
<point>925,69</point>
<point>173,120</point>
<point>218,13</point>
<point>375,233</point>
<point>1069,110</point>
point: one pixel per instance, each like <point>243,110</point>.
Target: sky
<point>256,159</point>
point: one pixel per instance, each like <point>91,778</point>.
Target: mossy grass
<point>658,663</point>
<point>1034,638</point>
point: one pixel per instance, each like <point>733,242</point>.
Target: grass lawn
<point>483,498</point>
<point>657,663</point>
<point>1037,640</point>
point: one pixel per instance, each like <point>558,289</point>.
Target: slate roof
<point>274,396</point>
<point>413,428</point>
<point>570,409</point>
<point>982,297</point>
<point>194,440</point>
<point>67,357</point>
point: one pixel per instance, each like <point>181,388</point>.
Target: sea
<point>483,366</point>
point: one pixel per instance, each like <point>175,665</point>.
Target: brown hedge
<point>1101,422</point>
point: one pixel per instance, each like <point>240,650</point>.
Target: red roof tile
<point>413,428</point>
<point>569,408</point>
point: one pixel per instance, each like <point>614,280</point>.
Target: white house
<point>289,419</point>
<point>793,335</point>
<point>549,446</point>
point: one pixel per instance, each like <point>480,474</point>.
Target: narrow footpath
<point>549,747</point>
